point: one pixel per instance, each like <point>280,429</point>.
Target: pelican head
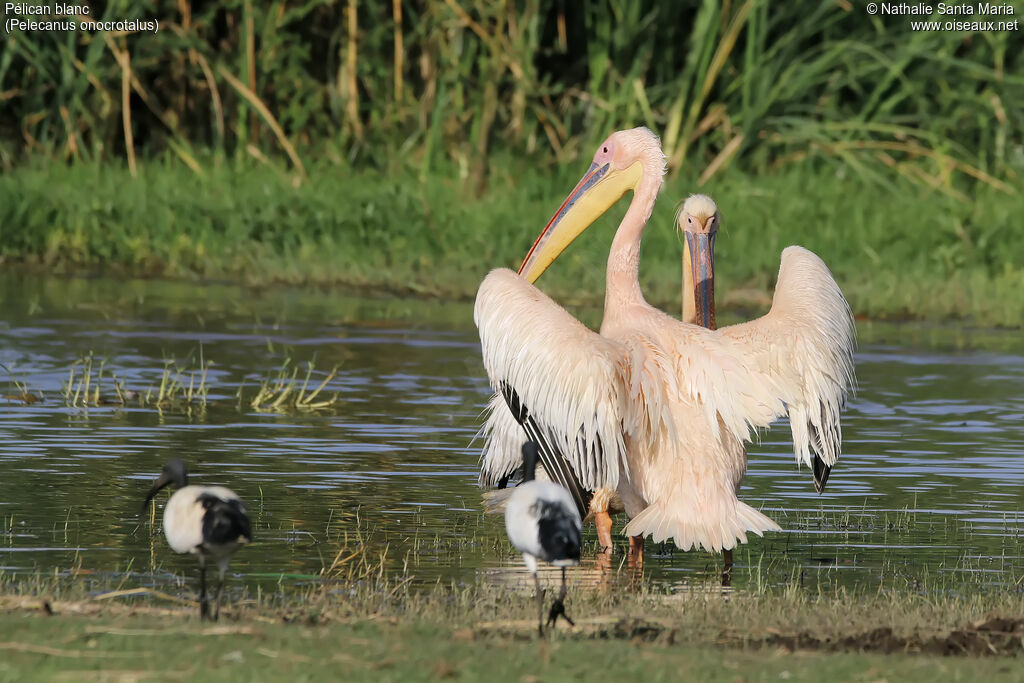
<point>620,163</point>
<point>699,220</point>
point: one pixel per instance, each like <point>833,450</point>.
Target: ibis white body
<point>543,524</point>
<point>184,525</point>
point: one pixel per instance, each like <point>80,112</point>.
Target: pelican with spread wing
<point>654,408</point>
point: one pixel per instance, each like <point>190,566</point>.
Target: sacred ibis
<point>543,524</point>
<point>211,522</point>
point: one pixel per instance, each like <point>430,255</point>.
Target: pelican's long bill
<point>599,189</point>
<point>701,249</point>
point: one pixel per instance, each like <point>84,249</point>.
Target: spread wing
<point>801,351</point>
<point>566,386</point>
<point>503,444</point>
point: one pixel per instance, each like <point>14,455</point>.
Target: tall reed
<point>748,83</point>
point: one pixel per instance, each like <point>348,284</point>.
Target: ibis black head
<point>175,473</point>
<point>529,460</point>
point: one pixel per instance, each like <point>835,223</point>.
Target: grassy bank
<point>140,647</point>
<point>254,142</point>
<point>385,632</point>
<point>896,250</point>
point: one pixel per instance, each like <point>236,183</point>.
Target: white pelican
<point>543,523</point>
<point>698,220</point>
<point>652,407</point>
<point>210,522</point>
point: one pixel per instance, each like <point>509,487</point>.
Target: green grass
<point>897,251</point>
<point>380,630</point>
<point>751,83</point>
<point>414,145</point>
<point>183,386</point>
<point>137,647</point>
<point>360,621</point>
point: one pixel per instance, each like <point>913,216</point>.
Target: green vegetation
<point>414,145</point>
<point>286,390</point>
<point>181,386</point>
<point>134,647</point>
<point>897,252</point>
<point>757,83</point>
<point>184,386</point>
<point>379,630</point>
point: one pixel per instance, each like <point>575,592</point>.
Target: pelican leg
<point>603,564</point>
<point>558,606</point>
<point>603,522</point>
<point>204,606</point>
<point>636,552</point>
<point>727,568</point>
<point>540,605</point>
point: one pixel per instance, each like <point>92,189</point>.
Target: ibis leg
<point>204,606</point>
<point>216,595</point>
<point>603,522</point>
<point>727,568</point>
<point>540,604</point>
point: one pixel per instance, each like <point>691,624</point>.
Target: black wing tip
<point>553,462</point>
<point>560,472</point>
<point>821,472</point>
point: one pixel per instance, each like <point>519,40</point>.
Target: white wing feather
<point>573,381</point>
<point>801,352</point>
<point>503,445</point>
<point>589,391</point>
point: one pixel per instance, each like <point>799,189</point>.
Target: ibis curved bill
<point>654,408</point>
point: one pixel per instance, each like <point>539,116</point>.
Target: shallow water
<point>932,474</point>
